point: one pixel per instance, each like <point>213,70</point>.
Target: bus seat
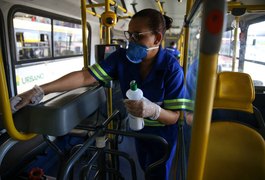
<point>235,151</point>
<point>235,91</point>
<point>234,98</point>
<point>58,115</point>
<point>19,155</point>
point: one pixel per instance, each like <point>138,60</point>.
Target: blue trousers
<point>151,151</point>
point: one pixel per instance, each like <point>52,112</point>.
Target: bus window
<point>43,43</point>
<point>255,56</point>
<point>250,57</point>
<point>226,51</point>
<point>193,61</point>
<point>67,38</point>
<point>33,36</point>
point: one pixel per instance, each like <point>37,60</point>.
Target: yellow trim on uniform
<point>100,73</point>
<point>179,104</point>
<point>148,122</point>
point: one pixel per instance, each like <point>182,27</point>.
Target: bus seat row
<point>57,116</point>
<point>235,150</point>
<point>234,98</point>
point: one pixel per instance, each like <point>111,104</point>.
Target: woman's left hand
<point>143,108</point>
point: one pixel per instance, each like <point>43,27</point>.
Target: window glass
<point>191,74</point>
<point>193,57</point>
<point>32,36</point>
<point>67,38</point>
<point>255,57</point>
<point>250,57</point>
<point>226,51</point>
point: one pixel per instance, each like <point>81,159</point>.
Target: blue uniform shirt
<point>163,85</point>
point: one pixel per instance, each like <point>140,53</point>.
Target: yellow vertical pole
<point>181,49</point>
<point>108,35</point>
<point>109,96</point>
<point>107,8</point>
<point>180,146</point>
<point>160,7</point>
<point>186,38</point>
<point>101,33</point>
<point>84,33</point>
<point>5,108</point>
<point>235,43</point>
<point>201,122</point>
<point>179,41</point>
<point>210,40</point>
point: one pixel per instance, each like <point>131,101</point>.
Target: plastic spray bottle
<point>134,93</point>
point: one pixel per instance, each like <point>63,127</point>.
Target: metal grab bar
<point>126,156</point>
<point>146,136</point>
<point>99,130</point>
<point>65,170</point>
<point>6,109</point>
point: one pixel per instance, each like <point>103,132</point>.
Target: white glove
<point>13,102</point>
<point>38,96</point>
<point>143,108</point>
<point>31,97</point>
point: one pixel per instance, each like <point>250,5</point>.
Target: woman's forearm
<point>68,82</point>
<point>168,117</point>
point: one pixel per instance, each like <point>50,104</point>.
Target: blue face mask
<point>136,52</point>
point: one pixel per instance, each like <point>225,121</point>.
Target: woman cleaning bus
<point>157,73</point>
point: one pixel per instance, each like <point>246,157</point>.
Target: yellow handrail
<point>84,33</point>
<point>120,7</point>
<point>111,2</point>
<point>201,122</point>
<point>160,6</point>
<point>107,8</point>
<point>124,17</point>
<point>260,7</point>
<point>186,32</point>
<point>93,13</point>
<point>181,48</point>
<point>95,5</point>
<point>235,43</point>
<point>6,109</point>
<point>211,35</point>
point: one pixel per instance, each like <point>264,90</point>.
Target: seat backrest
<point>234,90</point>
<point>234,98</point>
<point>235,151</point>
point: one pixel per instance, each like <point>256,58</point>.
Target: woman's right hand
<point>31,97</point>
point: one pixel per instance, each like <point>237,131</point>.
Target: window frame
<point>45,14</point>
<point>3,46</point>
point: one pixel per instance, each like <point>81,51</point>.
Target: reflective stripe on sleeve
<point>174,104</point>
<point>148,122</point>
<point>100,73</point>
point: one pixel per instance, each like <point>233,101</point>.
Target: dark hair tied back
<point>168,22</point>
<point>156,21</point>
